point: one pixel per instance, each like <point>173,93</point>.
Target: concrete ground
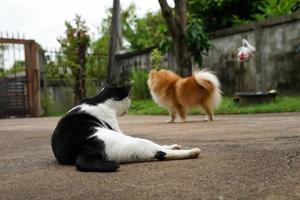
<point>243,157</point>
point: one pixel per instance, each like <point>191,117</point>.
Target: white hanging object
<point>246,51</point>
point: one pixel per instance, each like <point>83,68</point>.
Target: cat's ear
<point>122,87</point>
<point>127,85</point>
<point>104,85</point>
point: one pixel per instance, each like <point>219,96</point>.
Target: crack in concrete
<point>288,138</point>
<point>291,159</point>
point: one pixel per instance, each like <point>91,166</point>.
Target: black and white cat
<point>89,136</point>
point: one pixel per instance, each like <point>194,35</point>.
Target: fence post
<point>33,78</point>
<point>258,57</point>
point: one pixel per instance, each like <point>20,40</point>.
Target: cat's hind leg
<point>92,157</point>
<point>126,149</point>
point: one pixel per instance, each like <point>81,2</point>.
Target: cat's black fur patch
<point>109,92</point>
<point>93,158</point>
<point>71,134</point>
<point>160,155</point>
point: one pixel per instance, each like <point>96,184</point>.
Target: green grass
<point>281,104</point>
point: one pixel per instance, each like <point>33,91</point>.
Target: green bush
<point>270,8</point>
<point>156,59</point>
<point>197,40</point>
<point>139,88</point>
<point>47,102</point>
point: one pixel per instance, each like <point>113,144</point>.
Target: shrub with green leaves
<point>139,88</point>
<point>156,58</point>
<point>270,8</point>
<point>47,102</point>
<point>197,39</point>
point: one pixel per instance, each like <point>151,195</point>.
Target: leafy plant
<point>197,39</point>
<point>74,54</point>
<point>144,32</point>
<point>139,88</point>
<point>55,69</point>
<point>218,14</point>
<point>47,102</point>
<point>238,21</point>
<point>156,59</point>
<point>270,8</point>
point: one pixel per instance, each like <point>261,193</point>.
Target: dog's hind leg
<point>208,109</point>
<point>172,112</point>
<point>182,113</point>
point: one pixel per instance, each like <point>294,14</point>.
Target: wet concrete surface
<point>243,157</point>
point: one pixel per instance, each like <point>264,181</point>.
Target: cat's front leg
<point>172,147</point>
<point>178,154</point>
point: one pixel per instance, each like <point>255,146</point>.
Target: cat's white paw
<point>195,152</point>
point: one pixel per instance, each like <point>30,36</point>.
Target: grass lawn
<point>281,104</point>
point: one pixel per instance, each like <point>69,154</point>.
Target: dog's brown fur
<point>180,94</point>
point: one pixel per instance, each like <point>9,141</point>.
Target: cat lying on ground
<point>89,137</point>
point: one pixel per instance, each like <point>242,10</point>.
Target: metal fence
<point>57,70</point>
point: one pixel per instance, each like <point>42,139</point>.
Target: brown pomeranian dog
<point>178,94</point>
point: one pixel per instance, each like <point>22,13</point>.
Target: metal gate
<point>19,78</point>
<point>13,97</point>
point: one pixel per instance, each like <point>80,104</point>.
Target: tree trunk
<point>183,59</point>
<point>79,88</point>
<point>176,24</point>
<point>113,69</point>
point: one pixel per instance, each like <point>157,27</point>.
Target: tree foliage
<point>271,8</point>
<point>74,48</point>
<point>144,32</point>
<point>138,32</point>
<point>197,39</point>
<point>220,14</point>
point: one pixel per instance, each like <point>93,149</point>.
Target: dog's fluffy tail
<point>211,83</point>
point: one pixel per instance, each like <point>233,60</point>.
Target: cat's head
<point>119,100</point>
<point>116,97</point>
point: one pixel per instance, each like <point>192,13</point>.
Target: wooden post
<point>33,78</point>
<point>113,71</point>
<point>258,56</point>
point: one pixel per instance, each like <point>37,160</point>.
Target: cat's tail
<point>86,163</point>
